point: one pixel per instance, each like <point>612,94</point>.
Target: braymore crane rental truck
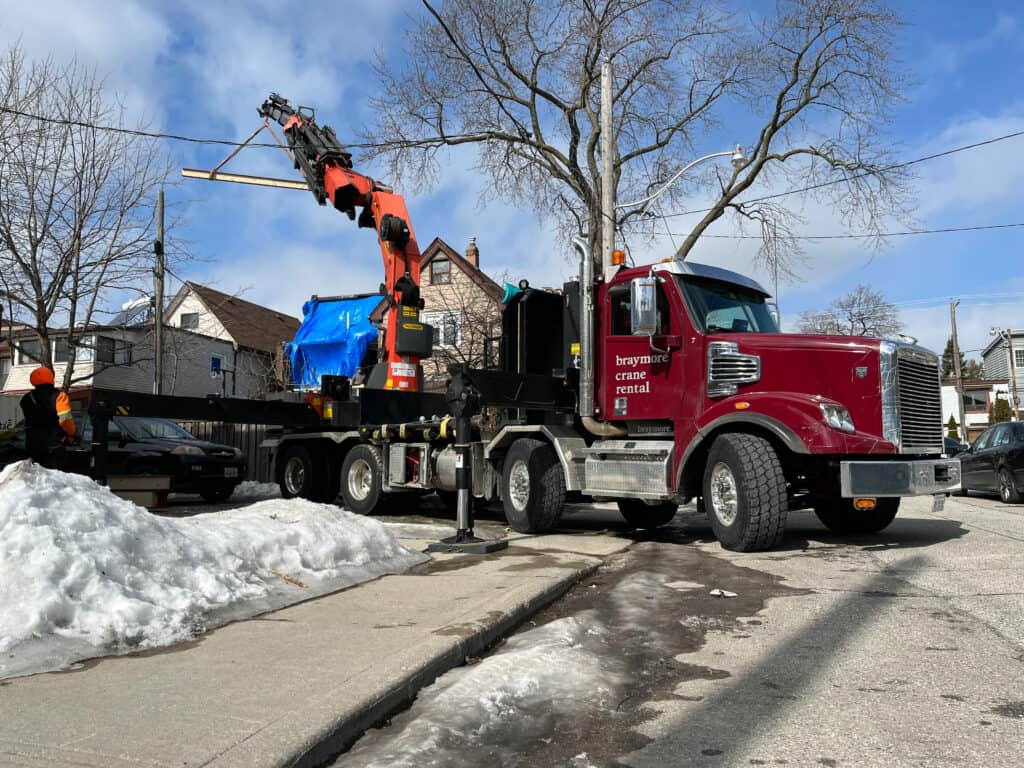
<point>650,385</point>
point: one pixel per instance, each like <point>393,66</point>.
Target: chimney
<point>473,253</point>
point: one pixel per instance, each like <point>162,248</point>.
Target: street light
<point>738,160</point>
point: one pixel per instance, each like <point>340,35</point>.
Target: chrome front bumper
<point>899,478</point>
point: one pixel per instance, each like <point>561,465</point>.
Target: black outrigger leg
<point>463,404</point>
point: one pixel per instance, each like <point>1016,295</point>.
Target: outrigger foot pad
<point>468,545</point>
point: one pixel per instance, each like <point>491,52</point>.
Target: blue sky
<point>202,68</point>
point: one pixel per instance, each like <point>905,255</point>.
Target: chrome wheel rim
<point>294,475</point>
<point>360,480</point>
<point>519,485</point>
<point>1004,485</point>
<point>724,501</point>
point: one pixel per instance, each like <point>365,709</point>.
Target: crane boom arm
<point>327,168</point>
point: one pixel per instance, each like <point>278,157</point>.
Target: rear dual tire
<point>532,486</point>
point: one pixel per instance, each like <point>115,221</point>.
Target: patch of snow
<point>84,573</point>
<point>540,681</point>
<point>251,489</point>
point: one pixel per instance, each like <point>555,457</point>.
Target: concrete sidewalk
<point>294,687</point>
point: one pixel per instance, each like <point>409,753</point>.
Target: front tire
<point>532,486</point>
<point>839,516</point>
<point>745,493</point>
<point>1008,490</point>
<point>639,514</point>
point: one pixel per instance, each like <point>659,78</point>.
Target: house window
<point>190,320</point>
<point>446,328</point>
<point>975,401</point>
<point>5,369</point>
<point>113,351</point>
<point>60,351</point>
<point>1018,360</point>
<point>30,352</point>
<point>440,271</point>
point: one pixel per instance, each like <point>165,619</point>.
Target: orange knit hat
<point>41,375</point>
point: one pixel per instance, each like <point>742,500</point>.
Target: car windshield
<point>141,428</point>
<point>719,307</point>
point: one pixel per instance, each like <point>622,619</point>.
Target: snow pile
<point>84,573</point>
<point>556,672</point>
<point>251,489</point>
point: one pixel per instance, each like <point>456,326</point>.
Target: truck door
<point>642,373</point>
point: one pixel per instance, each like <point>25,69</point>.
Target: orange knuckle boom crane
<point>327,168</point>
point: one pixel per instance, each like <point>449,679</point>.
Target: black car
<point>951,447</point>
<point>996,462</point>
<point>140,445</point>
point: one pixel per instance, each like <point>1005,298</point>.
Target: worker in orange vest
<point>48,423</point>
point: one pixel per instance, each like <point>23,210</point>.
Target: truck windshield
<point>720,307</point>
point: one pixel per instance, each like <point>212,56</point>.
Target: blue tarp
<point>333,339</point>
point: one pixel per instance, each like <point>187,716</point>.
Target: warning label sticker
<point>408,370</point>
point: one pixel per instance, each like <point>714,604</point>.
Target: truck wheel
<point>295,472</point>
<point>745,493</point>
<point>1008,488</point>
<point>301,474</point>
<point>532,486</point>
<point>639,514</point>
<point>362,473</point>
<point>839,516</point>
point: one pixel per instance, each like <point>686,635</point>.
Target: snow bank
<point>561,670</point>
<point>84,573</point>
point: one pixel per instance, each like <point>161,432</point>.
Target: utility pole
<point>158,310</point>
<point>607,170</point>
<point>956,370</point>
<point>1013,375</point>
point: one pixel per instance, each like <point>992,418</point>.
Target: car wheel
<point>217,493</point>
<point>745,493</point>
<point>639,514</point>
<point>839,516</point>
<point>1008,488</point>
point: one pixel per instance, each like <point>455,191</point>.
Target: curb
<point>329,743</point>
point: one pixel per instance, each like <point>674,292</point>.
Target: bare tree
<point>77,203</point>
<point>862,312</point>
<point>520,80</point>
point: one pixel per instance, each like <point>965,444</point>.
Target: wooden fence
<point>245,437</point>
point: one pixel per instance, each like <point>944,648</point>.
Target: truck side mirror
<point>643,309</point>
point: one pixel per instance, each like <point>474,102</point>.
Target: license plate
<point>230,471</point>
<point>938,502</point>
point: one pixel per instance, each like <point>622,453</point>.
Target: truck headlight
<point>837,417</point>
<point>188,450</point>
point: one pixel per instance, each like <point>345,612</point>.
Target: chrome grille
<point>911,398</point>
<point>920,405</point>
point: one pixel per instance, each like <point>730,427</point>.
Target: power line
<point>173,136</point>
<point>864,235</point>
<point>369,145</point>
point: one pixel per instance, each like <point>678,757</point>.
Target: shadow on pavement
<point>716,729</point>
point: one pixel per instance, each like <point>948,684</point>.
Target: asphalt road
<point>901,649</point>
